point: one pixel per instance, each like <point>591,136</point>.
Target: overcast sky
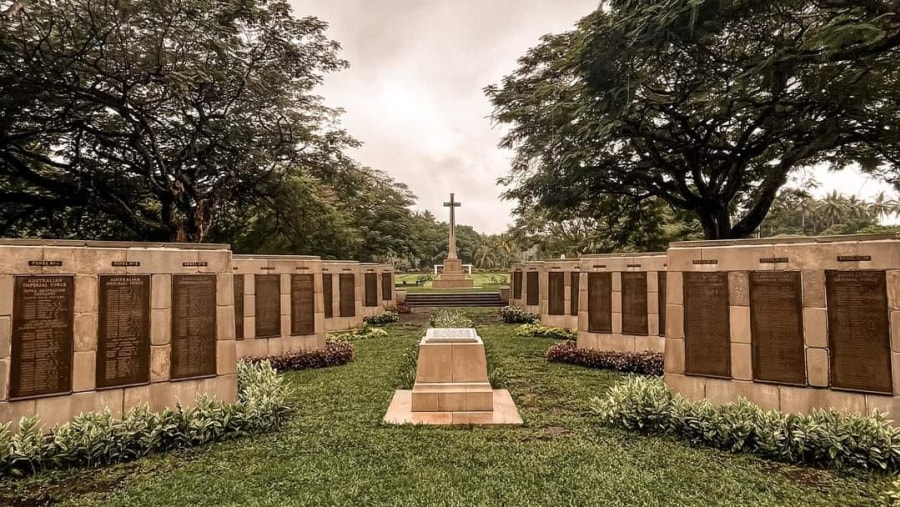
<point>413,92</point>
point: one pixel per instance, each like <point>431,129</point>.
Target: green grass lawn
<point>336,451</point>
<point>490,281</point>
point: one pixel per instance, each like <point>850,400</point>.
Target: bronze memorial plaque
<point>858,331</point>
<point>193,326</point>
<point>371,295</point>
<point>600,302</point>
<point>387,286</point>
<point>303,305</point>
<point>661,300</point>
<point>776,327</point>
<point>707,342</point>
<point>574,288</point>
<point>634,303</point>
<point>556,293</point>
<point>238,307</point>
<point>533,289</point>
<point>123,351</point>
<point>42,336</point>
<point>268,306</point>
<point>517,285</point>
<point>347,292</point>
<point>328,294</point>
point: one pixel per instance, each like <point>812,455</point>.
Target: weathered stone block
<point>741,361</point>
<point>692,388</point>
<point>160,327</point>
<point>674,321</point>
<point>5,336</point>
<point>815,327</point>
<point>225,323</point>
<point>674,288</point>
<point>739,323</point>
<point>161,292</point>
<point>160,363</point>
<point>85,331</point>
<point>226,357</point>
<point>817,367</point>
<point>86,294</point>
<point>800,400</point>
<point>674,356</point>
<point>814,289</point>
<point>6,289</point>
<point>720,392</point>
<point>84,371</point>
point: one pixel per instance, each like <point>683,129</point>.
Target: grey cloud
<point>413,93</point>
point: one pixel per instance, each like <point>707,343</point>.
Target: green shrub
<point>540,331</point>
<point>335,353</point>
<point>892,495</point>
<point>516,315</point>
<point>450,317</point>
<point>645,363</point>
<point>364,333</point>
<point>408,367</point>
<point>94,439</point>
<point>380,320</point>
<point>825,438</point>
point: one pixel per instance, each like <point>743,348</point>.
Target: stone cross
<point>452,205</point>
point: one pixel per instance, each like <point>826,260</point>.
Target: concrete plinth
<point>452,385</point>
<point>452,277</point>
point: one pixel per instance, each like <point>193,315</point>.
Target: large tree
<point>145,119</point>
<point>708,105</point>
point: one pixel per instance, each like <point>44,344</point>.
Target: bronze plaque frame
<point>347,293</point>
<point>43,318</point>
<point>193,352</point>
<point>859,336</point>
<point>268,306</point>
<point>707,327</point>
<point>661,300</point>
<point>574,290</point>
<point>556,293</point>
<point>517,285</point>
<point>238,283</point>
<point>532,289</point>
<point>776,327</point>
<point>387,286</point>
<point>371,294</point>
<point>599,302</point>
<point>634,303</point>
<point>328,294</point>
<point>123,331</point>
<point>303,305</point>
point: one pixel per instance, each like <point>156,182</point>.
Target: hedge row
<point>335,353</point>
<point>646,363</point>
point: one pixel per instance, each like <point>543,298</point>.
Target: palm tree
<point>808,210</point>
<point>856,208</point>
<point>883,207</point>
<point>833,208</point>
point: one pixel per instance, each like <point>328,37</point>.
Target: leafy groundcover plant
<point>645,363</point>
<point>95,439</point>
<point>539,331</point>
<point>825,438</point>
<point>363,333</point>
<point>380,320</point>
<point>449,317</point>
<point>335,353</point>
<point>516,315</point>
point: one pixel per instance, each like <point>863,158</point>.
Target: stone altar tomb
<point>452,385</point>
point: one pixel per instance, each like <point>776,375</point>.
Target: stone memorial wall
<point>86,326</point>
<point>792,324</point>
<point>341,295</point>
<point>283,304</point>
<point>560,286</point>
<point>620,303</point>
<point>373,288</point>
<point>525,279</point>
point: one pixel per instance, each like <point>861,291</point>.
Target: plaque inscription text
<point>123,354</point>
<point>707,344</point>
<point>193,326</point>
<point>42,335</point>
<point>776,327</point>
<point>600,302</point>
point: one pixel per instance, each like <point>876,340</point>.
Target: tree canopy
<point>706,105</point>
<point>148,118</point>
